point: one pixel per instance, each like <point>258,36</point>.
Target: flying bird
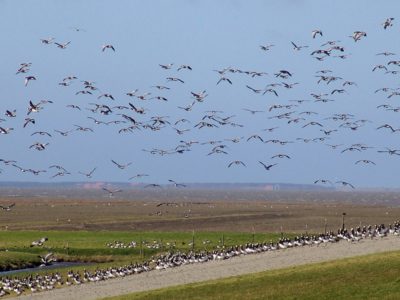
<point>344,183</point>
<point>121,166</point>
<point>315,32</point>
<point>107,46</point>
<point>28,79</point>
<point>176,184</point>
<point>237,163</point>
<point>88,175</point>
<point>7,207</point>
<point>267,167</point>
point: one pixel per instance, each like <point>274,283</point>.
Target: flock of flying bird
<point>129,115</point>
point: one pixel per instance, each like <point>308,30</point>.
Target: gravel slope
<point>219,269</point>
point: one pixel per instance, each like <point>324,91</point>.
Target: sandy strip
<point>219,269</point>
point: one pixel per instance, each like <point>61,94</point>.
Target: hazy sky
<point>207,35</point>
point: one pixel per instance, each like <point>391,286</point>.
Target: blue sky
<point>207,35</point>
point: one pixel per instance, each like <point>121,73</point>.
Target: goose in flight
<point>365,161</point>
<point>81,128</point>
<point>7,207</point>
<point>38,146</point>
<point>63,133</point>
<point>107,46</point>
<point>224,79</point>
<point>61,174</point>
<point>47,41</point>
<point>152,185</point>
<point>41,133</point>
<point>29,78</point>
<point>176,184</point>
<point>386,53</point>
<point>106,96</point>
<point>323,181</point>
<point>257,91</point>
<point>8,162</point>
<point>62,46</point>
<point>166,67</point>
<point>357,35</point>
<point>121,166</point>
<point>11,113</point>
<point>255,136</point>
<point>253,112</point>
<point>283,74</point>
<point>33,107</point>
<point>267,167</point>
<point>266,47</point>
<point>176,79</point>
<point>19,168</point>
<point>111,192</point>
<point>390,151</point>
<point>298,48</point>
<point>199,96</point>
<point>271,91</point>
<point>187,67</point>
<point>138,176</point>
<point>58,167</point>
<point>315,32</point>
<point>388,23</point>
<point>180,131</point>
<point>47,259</point>
<point>160,87</point>
<point>313,124</point>
<point>5,130</point>
<point>237,163</point>
<point>73,106</point>
<point>281,156</point>
<point>39,242</point>
<point>88,175</point>
<point>387,126</point>
<point>344,183</point>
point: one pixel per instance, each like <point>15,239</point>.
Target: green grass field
<point>85,246</point>
<point>374,276</point>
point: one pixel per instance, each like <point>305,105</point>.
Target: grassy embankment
<point>374,276</point>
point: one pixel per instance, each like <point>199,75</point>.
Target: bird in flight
<point>224,79</point>
<point>107,46</point>
<point>176,184</point>
<point>365,161</point>
<point>7,207</point>
<point>298,48</point>
<point>121,166</point>
<point>323,181</point>
<point>62,46</point>
<point>28,79</point>
<point>237,163</point>
<point>88,175</point>
<point>267,167</point>
<point>315,32</point>
<point>111,192</point>
<point>344,183</point>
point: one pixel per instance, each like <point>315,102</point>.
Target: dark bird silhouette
<point>344,183</point>
<point>237,163</point>
<point>107,46</point>
<point>267,167</point>
<point>121,166</point>
<point>7,207</point>
<point>176,184</point>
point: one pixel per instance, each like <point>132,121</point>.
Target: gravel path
<point>219,269</point>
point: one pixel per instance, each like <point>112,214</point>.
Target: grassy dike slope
<point>374,276</point>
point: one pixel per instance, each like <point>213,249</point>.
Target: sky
<point>208,36</point>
